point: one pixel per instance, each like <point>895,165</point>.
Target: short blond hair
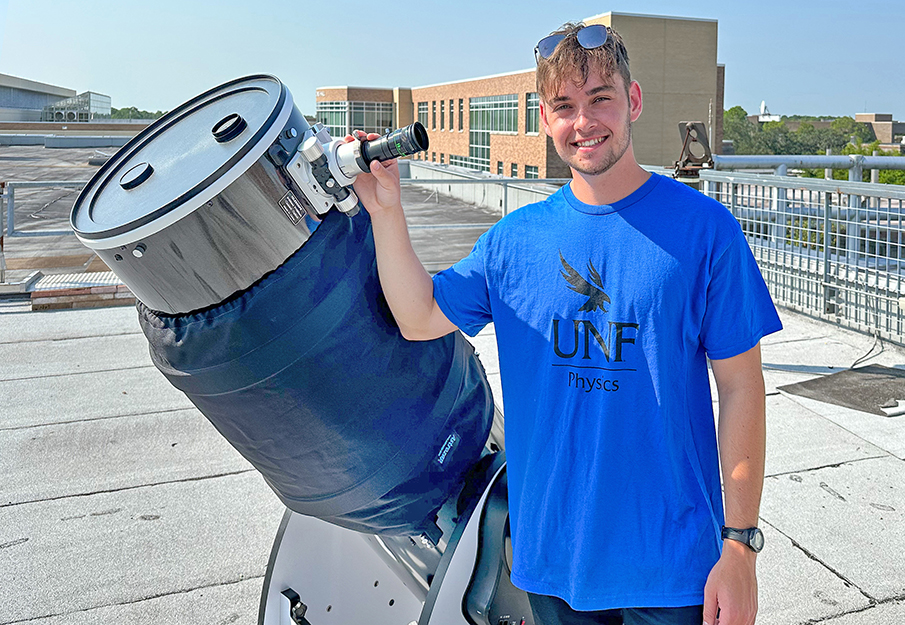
<point>570,61</point>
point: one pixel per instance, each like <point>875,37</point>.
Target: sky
<point>805,57</point>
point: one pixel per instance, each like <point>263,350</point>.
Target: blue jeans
<point>554,611</point>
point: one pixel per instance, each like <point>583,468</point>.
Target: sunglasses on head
<point>589,37</point>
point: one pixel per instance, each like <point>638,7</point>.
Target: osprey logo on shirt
<point>589,341</point>
<point>594,292</point>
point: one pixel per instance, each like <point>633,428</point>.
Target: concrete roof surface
<point>120,503</point>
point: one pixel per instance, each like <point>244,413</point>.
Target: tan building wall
<point>402,107</point>
<point>719,106</point>
<point>884,127</point>
<point>353,94</point>
<point>674,61</point>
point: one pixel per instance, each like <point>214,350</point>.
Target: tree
<point>847,126</point>
<point>776,138</point>
<point>737,128</point>
<point>887,176</point>
<point>134,113</point>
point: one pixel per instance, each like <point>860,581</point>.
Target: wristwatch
<point>752,537</point>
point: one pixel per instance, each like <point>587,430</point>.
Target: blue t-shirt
<point>604,316</point>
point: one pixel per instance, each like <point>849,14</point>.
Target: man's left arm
<point>730,596</point>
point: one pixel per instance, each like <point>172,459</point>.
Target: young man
<point>607,298</point>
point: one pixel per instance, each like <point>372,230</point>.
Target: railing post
<point>875,179</point>
<point>827,240</point>
<point>853,218</point>
<point>10,207</point>
<point>856,173</point>
<point>505,198</point>
<point>828,173</point>
<point>2,257</point>
<point>781,207</point>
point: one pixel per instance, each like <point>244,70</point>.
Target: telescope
<point>235,224</point>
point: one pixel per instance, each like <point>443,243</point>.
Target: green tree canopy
<point>844,136</point>
<point>737,128</point>
<point>134,113</point>
<point>863,133</point>
<point>779,138</point>
<point>886,176</point>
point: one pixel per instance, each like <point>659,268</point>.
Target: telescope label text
<point>449,445</point>
<point>292,207</point>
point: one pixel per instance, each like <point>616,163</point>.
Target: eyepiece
<point>402,142</point>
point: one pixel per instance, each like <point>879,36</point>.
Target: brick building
<point>492,123</point>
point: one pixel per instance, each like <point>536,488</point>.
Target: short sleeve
<point>739,310</point>
<point>462,292</point>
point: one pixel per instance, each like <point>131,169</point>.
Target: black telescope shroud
<point>306,374</point>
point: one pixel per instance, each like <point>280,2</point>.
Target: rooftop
<point>122,504</point>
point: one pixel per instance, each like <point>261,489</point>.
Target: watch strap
<point>745,536</point>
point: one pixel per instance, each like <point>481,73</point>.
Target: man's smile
<point>588,143</point>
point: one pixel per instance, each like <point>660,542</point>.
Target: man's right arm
<point>406,284</point>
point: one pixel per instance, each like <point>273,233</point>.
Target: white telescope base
<point>344,577</point>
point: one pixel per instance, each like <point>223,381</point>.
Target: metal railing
<point>506,184</point>
<point>10,197</point>
<point>829,248</point>
<point>856,164</point>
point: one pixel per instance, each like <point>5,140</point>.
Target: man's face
<point>591,125</point>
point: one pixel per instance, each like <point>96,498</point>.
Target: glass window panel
<point>532,113</point>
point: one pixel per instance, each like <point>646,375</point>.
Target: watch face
<point>757,540</point>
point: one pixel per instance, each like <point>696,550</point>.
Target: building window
<point>422,114</point>
<point>532,113</point>
<point>442,114</point>
<point>498,113</point>
<point>342,117</point>
<point>434,115</point>
<point>452,112</point>
<point>334,115</point>
<point>531,172</point>
<point>433,157</point>
<point>441,158</point>
<point>499,168</point>
<point>514,172</point>
<point>461,113</point>
<point>486,115</point>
